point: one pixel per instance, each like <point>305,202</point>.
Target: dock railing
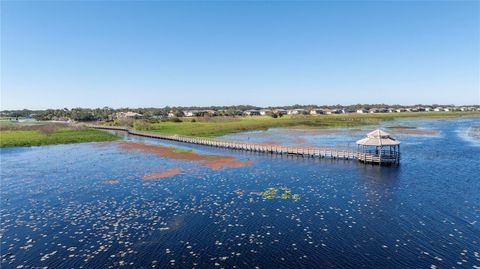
<point>320,152</point>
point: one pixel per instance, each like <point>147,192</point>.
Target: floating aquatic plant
<point>272,193</point>
<point>287,193</point>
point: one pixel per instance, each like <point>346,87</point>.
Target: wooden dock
<point>319,152</point>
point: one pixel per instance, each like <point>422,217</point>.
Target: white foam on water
<point>470,134</point>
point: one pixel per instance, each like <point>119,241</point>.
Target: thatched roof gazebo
<point>378,147</point>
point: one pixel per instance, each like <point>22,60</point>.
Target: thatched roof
<point>378,138</point>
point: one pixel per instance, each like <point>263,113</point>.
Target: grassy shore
<point>16,136</point>
<point>218,126</point>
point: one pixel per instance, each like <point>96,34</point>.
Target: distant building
<point>264,112</point>
<point>378,110</point>
<point>251,112</point>
<point>190,113</point>
<point>361,111</point>
<point>332,111</point>
<point>280,111</point>
<point>195,113</point>
<point>297,111</point>
<point>346,110</point>
<point>128,115</point>
<point>211,112</point>
<point>316,112</point>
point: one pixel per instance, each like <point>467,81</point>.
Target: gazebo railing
<point>393,157</point>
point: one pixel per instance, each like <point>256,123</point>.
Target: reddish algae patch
<point>417,132</point>
<point>269,144</point>
<point>300,140</point>
<point>168,173</point>
<point>214,162</point>
<point>221,163</point>
<point>164,151</point>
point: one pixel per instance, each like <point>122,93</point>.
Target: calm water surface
<point>87,206</point>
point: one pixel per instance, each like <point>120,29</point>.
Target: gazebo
<point>378,147</point>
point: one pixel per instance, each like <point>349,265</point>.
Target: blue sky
<point>151,54</point>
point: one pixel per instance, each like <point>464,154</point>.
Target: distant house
<point>280,111</point>
<point>316,112</point>
<point>378,110</point>
<point>297,111</point>
<point>211,112</point>
<point>195,113</point>
<point>468,108</point>
<point>251,112</point>
<point>128,115</point>
<point>415,109</point>
<point>332,111</point>
<point>361,111</point>
<point>177,113</point>
<point>346,110</point>
<point>264,112</point>
<point>400,110</point>
<point>190,113</point>
<point>437,109</point>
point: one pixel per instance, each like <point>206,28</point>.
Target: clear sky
<point>150,54</point>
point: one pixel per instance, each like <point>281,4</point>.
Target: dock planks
<point>319,152</point>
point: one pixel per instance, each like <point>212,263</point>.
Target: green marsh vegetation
<point>16,135</point>
<point>219,126</point>
<point>179,150</point>
<point>285,194</point>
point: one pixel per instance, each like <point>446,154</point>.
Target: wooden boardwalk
<point>319,152</point>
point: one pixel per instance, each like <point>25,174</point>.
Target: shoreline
<point>206,129</point>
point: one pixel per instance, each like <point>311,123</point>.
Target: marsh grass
<point>14,135</point>
<point>219,126</point>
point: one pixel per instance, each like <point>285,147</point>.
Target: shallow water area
<point>99,205</point>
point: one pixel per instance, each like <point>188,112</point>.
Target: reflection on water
<point>86,205</point>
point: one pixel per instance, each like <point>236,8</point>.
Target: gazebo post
<point>398,154</point>
<point>380,155</point>
<point>364,153</point>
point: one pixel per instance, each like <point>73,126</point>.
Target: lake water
<point>87,206</point>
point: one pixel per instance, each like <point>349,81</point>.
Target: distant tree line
<point>107,113</point>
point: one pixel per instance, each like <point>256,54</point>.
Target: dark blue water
<point>56,210</point>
